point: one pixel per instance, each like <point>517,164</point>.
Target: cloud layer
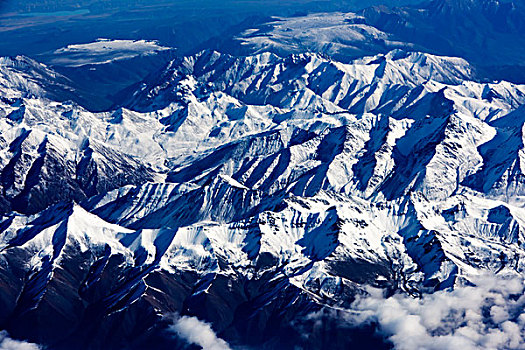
<point>489,315</point>
<point>198,332</point>
<point>7,343</point>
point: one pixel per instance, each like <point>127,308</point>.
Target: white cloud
<point>489,315</point>
<point>198,332</point>
<point>7,343</point>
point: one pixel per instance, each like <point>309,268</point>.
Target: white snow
<point>399,164</point>
<point>104,51</point>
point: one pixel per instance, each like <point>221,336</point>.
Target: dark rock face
<point>38,175</point>
<point>262,312</point>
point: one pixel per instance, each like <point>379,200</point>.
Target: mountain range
<point>267,200</point>
<point>229,187</point>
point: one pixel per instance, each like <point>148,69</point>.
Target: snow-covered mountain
<point>488,33</point>
<point>252,192</point>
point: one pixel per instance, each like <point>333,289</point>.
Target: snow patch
<point>104,51</point>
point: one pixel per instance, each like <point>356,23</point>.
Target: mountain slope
<point>489,34</point>
<point>253,192</point>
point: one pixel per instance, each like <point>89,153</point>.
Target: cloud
<point>198,332</point>
<point>488,315</point>
<point>7,343</point>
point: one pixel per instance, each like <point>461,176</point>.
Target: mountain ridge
<point>251,192</point>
